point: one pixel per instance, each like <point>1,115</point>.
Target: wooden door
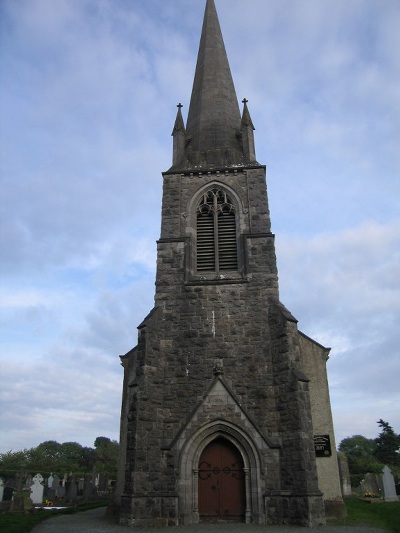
<point>221,482</point>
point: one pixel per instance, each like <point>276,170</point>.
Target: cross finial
<point>179,105</point>
<point>244,100</point>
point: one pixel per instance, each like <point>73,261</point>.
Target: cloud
<point>88,104</point>
<point>344,289</point>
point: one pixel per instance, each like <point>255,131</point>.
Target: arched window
<point>216,233</point>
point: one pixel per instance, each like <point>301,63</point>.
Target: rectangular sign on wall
<point>322,444</point>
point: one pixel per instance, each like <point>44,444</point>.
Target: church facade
<point>225,410</point>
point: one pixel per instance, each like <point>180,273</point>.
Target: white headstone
<point>37,489</point>
<point>50,480</point>
<point>389,487</point>
<point>1,489</point>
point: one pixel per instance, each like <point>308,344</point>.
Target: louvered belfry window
<point>216,233</point>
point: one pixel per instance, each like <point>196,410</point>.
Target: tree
<point>52,457</point>
<point>107,453</point>
<point>45,458</point>
<point>11,462</point>
<point>387,445</point>
<point>360,453</point>
<point>76,458</point>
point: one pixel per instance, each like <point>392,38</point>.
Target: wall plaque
<point>322,444</point>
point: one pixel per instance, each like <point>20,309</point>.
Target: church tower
<point>223,396</point>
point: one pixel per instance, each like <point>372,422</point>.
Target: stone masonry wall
<point>314,357</point>
<point>197,320</point>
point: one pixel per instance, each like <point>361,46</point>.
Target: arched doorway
<point>221,479</point>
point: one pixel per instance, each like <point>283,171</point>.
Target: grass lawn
<point>384,515</point>
<point>15,523</point>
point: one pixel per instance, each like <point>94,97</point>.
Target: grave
<point>389,487</point>
<point>37,489</point>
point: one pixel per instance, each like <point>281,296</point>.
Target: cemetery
<point>24,493</point>
<point>28,499</point>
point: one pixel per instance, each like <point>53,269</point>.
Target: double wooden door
<point>222,494</point>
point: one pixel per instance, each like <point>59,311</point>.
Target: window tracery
<point>216,232</point>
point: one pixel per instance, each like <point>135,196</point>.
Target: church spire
<point>214,122</point>
<point>179,136</point>
<point>249,151</point>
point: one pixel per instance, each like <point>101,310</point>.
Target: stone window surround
<point>225,276</point>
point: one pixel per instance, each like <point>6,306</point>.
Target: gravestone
<point>389,488</point>
<point>102,486</point>
<point>28,481</point>
<point>17,504</point>
<point>8,493</point>
<point>71,489</point>
<point>50,480</point>
<point>58,487</point>
<point>370,484</point>
<point>89,487</point>
<point>81,485</point>
<point>28,505</point>
<point>344,474</point>
<point>37,489</point>
<point>1,489</point>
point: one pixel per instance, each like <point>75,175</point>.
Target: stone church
<point>225,412</point>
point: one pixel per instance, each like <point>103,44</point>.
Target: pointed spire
<point>179,135</point>
<point>179,124</point>
<point>246,118</point>
<point>213,123</point>
<point>249,151</point>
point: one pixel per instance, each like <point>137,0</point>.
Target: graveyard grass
<point>384,515</point>
<point>24,523</point>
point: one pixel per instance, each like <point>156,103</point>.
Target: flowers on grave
<point>370,495</point>
<point>48,503</point>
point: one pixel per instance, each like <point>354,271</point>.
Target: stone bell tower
<point>222,395</point>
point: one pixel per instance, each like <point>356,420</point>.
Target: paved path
<point>95,521</point>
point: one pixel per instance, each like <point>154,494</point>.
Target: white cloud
<point>88,105</point>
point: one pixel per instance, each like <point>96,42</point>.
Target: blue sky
<point>88,100</point>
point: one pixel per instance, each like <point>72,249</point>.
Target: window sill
<point>213,278</point>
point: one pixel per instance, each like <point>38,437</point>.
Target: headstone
<point>56,482</point>
<point>344,474</point>
<point>8,493</point>
<point>48,489</point>
<point>17,504</point>
<point>389,487</point>
<point>28,505</point>
<point>370,485</point>
<point>103,483</point>
<point>89,487</point>
<point>71,489</point>
<point>81,484</point>
<point>28,481</point>
<point>1,489</point>
<point>20,478</point>
<point>57,487</point>
<point>37,489</point>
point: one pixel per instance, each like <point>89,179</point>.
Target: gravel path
<point>95,521</point>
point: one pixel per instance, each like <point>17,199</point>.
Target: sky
<point>88,95</point>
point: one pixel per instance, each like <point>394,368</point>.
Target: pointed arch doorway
<point>221,482</point>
